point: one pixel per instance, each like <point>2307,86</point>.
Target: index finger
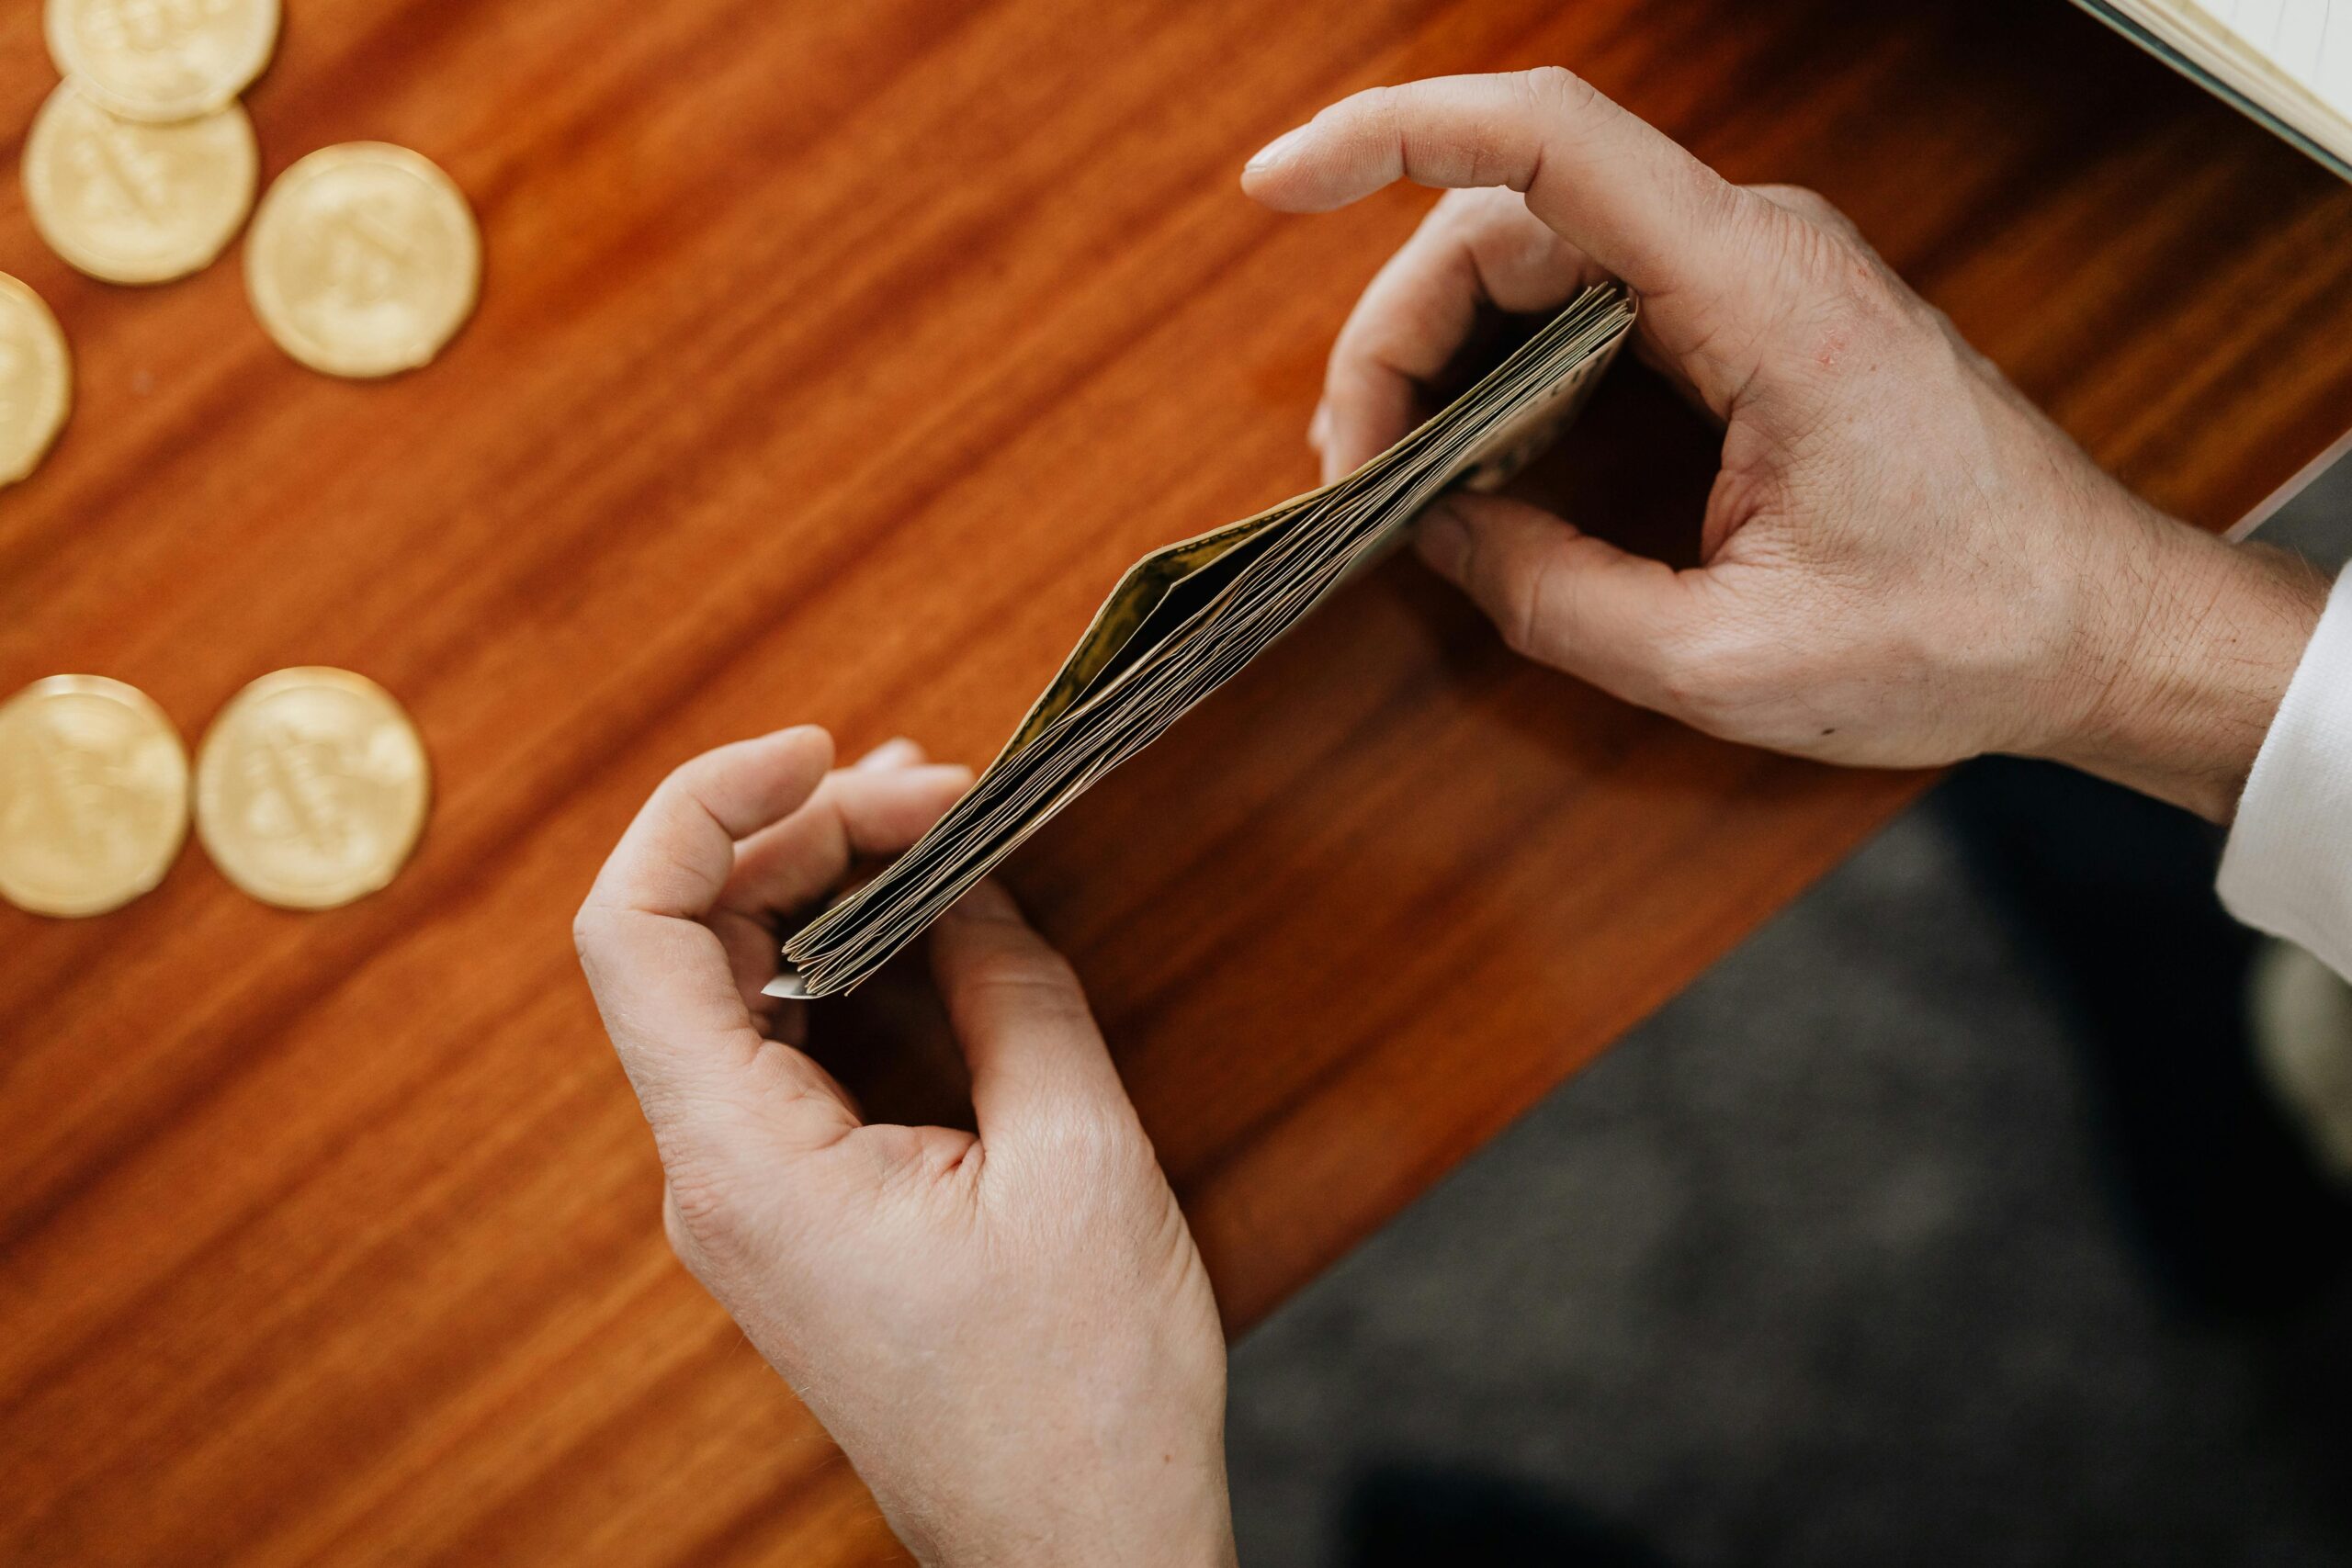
<point>1621,191</point>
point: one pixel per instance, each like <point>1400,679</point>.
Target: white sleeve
<point>2287,869</point>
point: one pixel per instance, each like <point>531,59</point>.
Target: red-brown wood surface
<point>832,361</point>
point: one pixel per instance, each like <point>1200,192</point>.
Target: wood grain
<point>832,360</point>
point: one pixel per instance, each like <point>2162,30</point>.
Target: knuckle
<point>674,1231</point>
<point>678,781</point>
<point>1544,99</point>
<point>591,928</point>
<point>1716,205</point>
<point>1534,608</point>
<point>1036,975</point>
<point>1555,90</point>
<point>1519,624</point>
<point>1378,105</point>
<point>1805,202</point>
<point>1515,601</point>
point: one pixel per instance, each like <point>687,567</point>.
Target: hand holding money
<point>1903,562</point>
<point>1008,1332</point>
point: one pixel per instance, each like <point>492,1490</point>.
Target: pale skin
<point>1902,563</point>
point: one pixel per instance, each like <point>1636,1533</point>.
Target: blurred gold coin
<point>310,788</point>
<point>36,380</point>
<point>363,260</point>
<point>131,202</point>
<point>93,796</point>
<point>161,59</point>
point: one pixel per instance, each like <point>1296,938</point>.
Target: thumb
<point>1562,597</point>
<point>1039,1066</point>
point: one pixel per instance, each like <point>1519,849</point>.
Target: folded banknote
<point>1185,619</point>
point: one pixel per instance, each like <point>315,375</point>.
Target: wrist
<point>2185,662</point>
<point>1181,1522</point>
<point>1153,1505</point>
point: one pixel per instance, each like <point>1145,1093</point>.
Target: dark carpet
<point>1945,1221</point>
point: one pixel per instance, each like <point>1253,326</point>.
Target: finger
<point>857,811</point>
<point>1812,206</point>
<point>678,853</point>
<point>1619,191</point>
<point>1563,597</point>
<point>1319,434</point>
<point>693,1051</point>
<point>662,977</point>
<point>1476,249</point>
<point>753,957</point>
<point>896,753</point>
<point>1039,1066</point>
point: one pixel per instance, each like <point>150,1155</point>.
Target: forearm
<point>2186,657</point>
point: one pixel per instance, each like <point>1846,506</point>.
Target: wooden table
<point>832,360</point>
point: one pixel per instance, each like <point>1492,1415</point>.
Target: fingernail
<point>1274,150</point>
<point>803,735</point>
<point>896,753</point>
<point>1442,538</point>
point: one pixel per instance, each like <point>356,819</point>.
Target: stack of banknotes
<point>1187,618</point>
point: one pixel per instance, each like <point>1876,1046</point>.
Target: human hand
<point>1008,1333</point>
<point>1903,562</point>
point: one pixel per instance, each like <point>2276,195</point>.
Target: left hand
<point>1008,1333</point>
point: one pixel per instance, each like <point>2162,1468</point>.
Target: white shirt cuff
<point>2287,869</point>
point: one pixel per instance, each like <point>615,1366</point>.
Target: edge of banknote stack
<point>1187,618</point>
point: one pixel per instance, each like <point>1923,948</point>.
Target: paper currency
<point>1186,619</point>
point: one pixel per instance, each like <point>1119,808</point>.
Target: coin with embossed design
<point>137,203</point>
<point>36,380</point>
<point>310,788</point>
<point>363,260</point>
<point>93,796</point>
<point>161,59</point>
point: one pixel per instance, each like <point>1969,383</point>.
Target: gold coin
<point>363,260</point>
<point>310,788</point>
<point>137,203</point>
<point>36,380</point>
<point>161,59</point>
<point>93,796</point>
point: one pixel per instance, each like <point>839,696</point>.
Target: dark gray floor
<point>1941,1222</point>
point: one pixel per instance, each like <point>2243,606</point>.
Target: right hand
<point>1903,562</point>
